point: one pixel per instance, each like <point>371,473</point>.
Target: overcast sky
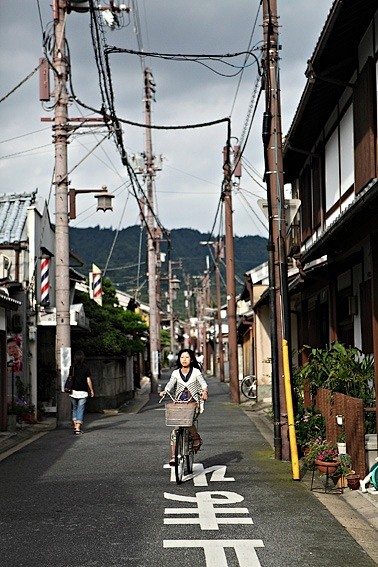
<point>189,185</point>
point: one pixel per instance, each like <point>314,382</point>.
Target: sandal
<point>172,462</point>
<point>197,442</point>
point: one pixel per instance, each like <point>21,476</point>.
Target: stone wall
<point>113,382</point>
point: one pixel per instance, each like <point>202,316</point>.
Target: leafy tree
<point>113,330</point>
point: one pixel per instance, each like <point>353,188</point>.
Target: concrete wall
<point>113,382</point>
<point>263,354</point>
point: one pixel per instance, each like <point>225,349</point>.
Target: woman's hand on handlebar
<point>204,395</point>
<point>162,393</point>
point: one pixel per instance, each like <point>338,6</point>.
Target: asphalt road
<point>108,499</point>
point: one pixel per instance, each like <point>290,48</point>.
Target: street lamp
<point>104,199</point>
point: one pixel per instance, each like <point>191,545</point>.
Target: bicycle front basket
<point>179,414</point>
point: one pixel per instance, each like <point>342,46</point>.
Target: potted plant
<point>344,468</point>
<point>309,426</point>
<point>339,369</point>
<point>323,455</point>
<point>353,480</point>
<point>341,443</point>
<point>22,409</point>
<point>327,460</point>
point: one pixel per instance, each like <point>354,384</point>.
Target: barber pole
<point>45,285</point>
<point>95,284</point>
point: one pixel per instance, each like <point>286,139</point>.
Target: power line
<point>20,84</point>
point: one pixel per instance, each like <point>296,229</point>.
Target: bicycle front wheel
<point>248,387</point>
<point>189,457</point>
<point>179,456</point>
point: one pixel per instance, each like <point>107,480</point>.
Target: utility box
<point>371,449</point>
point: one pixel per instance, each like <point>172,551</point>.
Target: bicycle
<point>180,415</point>
<point>248,387</point>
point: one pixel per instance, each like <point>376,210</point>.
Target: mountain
<point>125,254</point>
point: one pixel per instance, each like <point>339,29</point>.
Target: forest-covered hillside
<point>125,254</point>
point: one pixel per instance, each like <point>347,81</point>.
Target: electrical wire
<point>23,152</point>
<point>137,291</point>
<point>246,58</point>
<point>194,59</point>
<point>21,83</point>
<point>24,135</point>
<point>254,214</point>
<point>116,235</point>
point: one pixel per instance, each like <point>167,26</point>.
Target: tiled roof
<point>8,302</point>
<point>13,213</point>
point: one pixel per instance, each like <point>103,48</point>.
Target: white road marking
<point>206,510</point>
<point>214,550</point>
<point>218,474</point>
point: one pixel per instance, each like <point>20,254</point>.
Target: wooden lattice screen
<point>330,404</point>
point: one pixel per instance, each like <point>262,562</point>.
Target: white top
<point>195,383</point>
<point>78,394</point>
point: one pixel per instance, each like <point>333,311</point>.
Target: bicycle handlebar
<point>176,400</point>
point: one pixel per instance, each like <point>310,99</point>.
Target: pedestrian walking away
<point>82,388</point>
<point>187,382</point>
<point>171,358</point>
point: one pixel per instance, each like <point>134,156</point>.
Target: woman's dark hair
<point>79,358</point>
<point>193,360</point>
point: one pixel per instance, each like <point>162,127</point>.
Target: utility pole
<point>278,296</point>
<point>171,315</point>
<point>63,330</point>
<point>151,237</point>
<point>173,286</point>
<point>230,276</point>
<point>205,306</point>
<point>61,131</point>
<point>217,246</point>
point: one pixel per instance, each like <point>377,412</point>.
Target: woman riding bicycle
<point>188,382</point>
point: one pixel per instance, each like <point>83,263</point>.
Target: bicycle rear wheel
<point>179,456</point>
<point>248,387</point>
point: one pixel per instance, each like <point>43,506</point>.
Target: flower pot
<point>11,422</point>
<point>341,447</point>
<point>340,481</point>
<point>326,467</point>
<point>353,481</point>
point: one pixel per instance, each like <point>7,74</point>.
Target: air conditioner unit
<point>5,266</point>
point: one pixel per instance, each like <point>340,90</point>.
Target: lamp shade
<point>104,201</point>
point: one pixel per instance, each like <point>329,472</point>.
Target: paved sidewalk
<point>12,441</point>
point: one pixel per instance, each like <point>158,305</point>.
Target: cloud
<point>187,190</point>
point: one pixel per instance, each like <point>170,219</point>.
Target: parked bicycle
<point>180,415</point>
<point>248,387</point>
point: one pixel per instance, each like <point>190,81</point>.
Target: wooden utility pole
<point>230,276</point>
<point>217,246</point>
<point>171,313</point>
<point>272,137</point>
<point>151,240</point>
<point>62,285</point>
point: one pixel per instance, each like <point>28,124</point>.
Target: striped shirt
<point>194,382</point>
